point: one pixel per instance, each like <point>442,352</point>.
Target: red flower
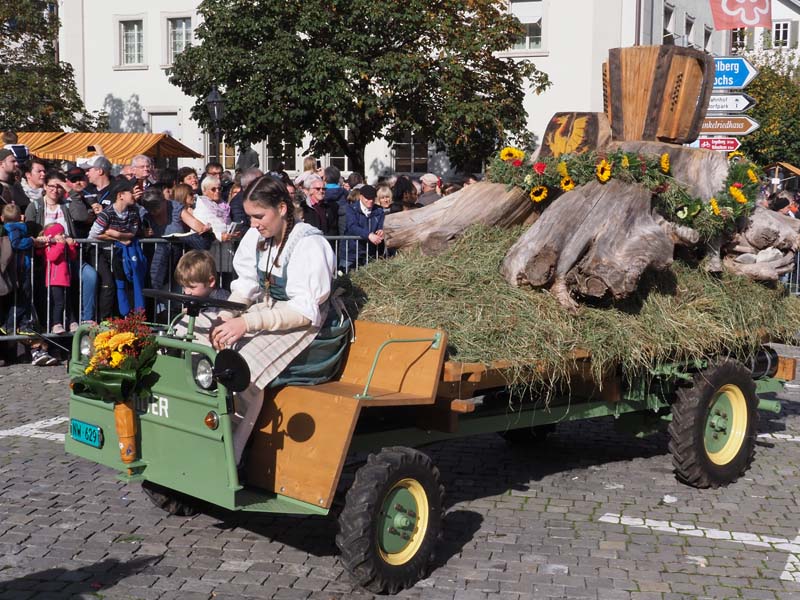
<point>517,163</point>
<point>737,185</point>
<point>539,167</point>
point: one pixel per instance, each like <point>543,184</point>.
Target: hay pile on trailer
<point>679,314</point>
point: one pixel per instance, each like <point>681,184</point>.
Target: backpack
<point>7,267</point>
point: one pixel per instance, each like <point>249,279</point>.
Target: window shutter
<point>749,34</point>
<point>793,34</point>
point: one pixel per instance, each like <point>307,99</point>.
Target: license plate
<point>91,435</point>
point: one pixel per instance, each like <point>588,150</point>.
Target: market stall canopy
<point>770,169</point>
<point>119,148</point>
<point>36,140</point>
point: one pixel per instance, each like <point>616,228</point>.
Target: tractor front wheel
<point>392,520</point>
<point>713,428</point>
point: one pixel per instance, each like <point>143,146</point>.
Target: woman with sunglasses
<point>212,210</point>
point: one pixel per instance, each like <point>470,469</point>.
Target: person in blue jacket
<point>364,220</point>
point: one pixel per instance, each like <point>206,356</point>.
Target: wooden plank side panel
<point>407,368</point>
<point>300,443</point>
<point>787,368</point>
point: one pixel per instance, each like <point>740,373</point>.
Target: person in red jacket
<point>59,252</point>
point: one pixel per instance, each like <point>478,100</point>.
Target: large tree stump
<point>436,225</point>
<point>596,240</point>
<point>769,229</point>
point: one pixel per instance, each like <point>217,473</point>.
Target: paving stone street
<point>591,514</point>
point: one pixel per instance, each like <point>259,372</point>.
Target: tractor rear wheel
<point>168,500</point>
<point>713,428</point>
<point>392,520</point>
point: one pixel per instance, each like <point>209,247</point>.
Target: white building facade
<point>121,52</point>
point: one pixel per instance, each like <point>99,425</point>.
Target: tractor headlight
<point>203,372</point>
<point>85,346</point>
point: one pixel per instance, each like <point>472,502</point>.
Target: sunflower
<point>561,168</point>
<point>737,195</point>
<point>714,206</point>
<point>752,176</point>
<point>664,162</point>
<point>735,155</point>
<point>567,183</point>
<point>539,193</point>
<point>603,171</point>
<point>626,162</point>
<point>511,153</point>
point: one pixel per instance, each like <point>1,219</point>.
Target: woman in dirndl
<point>285,273</point>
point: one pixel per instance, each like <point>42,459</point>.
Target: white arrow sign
<point>730,103</point>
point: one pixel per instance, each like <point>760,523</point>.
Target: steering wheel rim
<point>196,302</point>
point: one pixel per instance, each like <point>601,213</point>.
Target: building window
<point>410,155</point>
<point>738,39</point>
<point>226,153</point>
<point>131,35</point>
<point>529,13</point>
<point>669,24</point>
<point>707,39</point>
<point>286,157</point>
<point>342,162</point>
<point>179,36</point>
<point>780,34</point>
<point>688,30</point>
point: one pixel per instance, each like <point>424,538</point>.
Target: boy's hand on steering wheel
<point>228,333</point>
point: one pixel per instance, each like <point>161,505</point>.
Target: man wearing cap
<point>429,183</point>
<point>98,172</point>
<point>364,220</point>
<point>8,175</point>
<point>79,208</point>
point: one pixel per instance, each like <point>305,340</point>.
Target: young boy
<point>22,313</point>
<point>120,223</point>
<point>196,272</point>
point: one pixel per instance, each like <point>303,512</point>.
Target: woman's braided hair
<point>268,192</point>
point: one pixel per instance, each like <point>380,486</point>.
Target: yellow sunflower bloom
<point>664,162</point>
<point>561,168</point>
<point>567,183</point>
<point>625,161</point>
<point>511,153</point>
<point>714,206</point>
<point>735,155</point>
<point>539,193</point>
<point>737,195</point>
<point>603,171</point>
<point>752,176</point>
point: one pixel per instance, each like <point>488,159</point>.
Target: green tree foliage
<point>38,91</point>
<point>377,67</point>
<point>778,110</point>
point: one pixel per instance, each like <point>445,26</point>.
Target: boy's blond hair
<point>196,266</point>
<point>11,213</point>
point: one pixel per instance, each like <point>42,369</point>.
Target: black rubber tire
<point>358,534</point>
<point>687,429</point>
<point>528,436</point>
<point>170,501</point>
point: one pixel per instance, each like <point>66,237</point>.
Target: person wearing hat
<point>98,172</point>
<point>118,223</point>
<point>429,194</point>
<point>364,220</point>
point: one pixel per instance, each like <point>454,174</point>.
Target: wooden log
<point>703,172</point>
<point>769,229</point>
<point>436,225</point>
<point>596,240</point>
<point>761,271</point>
<point>575,132</point>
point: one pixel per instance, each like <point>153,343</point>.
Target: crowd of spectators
<point>73,242</point>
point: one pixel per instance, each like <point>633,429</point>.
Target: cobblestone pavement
<point>592,514</point>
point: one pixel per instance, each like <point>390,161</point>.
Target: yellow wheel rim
<point>726,424</point>
<point>402,522</point>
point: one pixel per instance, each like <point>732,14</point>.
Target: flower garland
<point>547,178</point>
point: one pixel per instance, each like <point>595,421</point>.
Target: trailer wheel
<point>168,500</point>
<point>392,520</point>
<point>713,428</point>
<point>528,436</point>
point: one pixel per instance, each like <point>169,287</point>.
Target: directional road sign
<point>732,125</point>
<point>733,72</point>
<point>730,103</point>
<point>725,144</point>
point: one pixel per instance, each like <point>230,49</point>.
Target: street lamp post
<point>216,111</point>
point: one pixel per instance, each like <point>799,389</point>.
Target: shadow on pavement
<point>91,579</point>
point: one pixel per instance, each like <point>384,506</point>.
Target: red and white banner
<point>734,14</point>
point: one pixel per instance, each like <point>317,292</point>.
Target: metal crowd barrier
<point>351,253</point>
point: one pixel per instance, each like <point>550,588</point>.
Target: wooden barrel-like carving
<point>657,92</point>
